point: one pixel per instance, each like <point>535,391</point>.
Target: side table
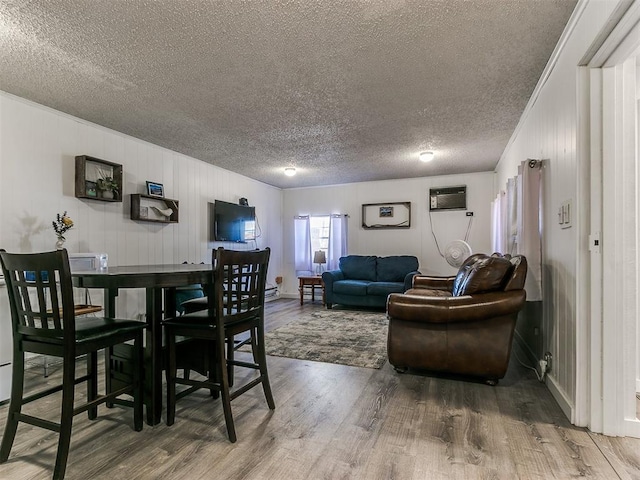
<point>310,282</point>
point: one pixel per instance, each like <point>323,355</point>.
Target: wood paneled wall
<point>38,146</point>
<point>548,130</point>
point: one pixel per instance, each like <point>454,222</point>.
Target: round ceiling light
<point>290,171</point>
<point>427,156</point>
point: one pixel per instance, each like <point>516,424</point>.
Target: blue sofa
<point>366,280</point>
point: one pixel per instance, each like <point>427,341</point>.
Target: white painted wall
<point>548,130</point>
<point>638,207</point>
<point>417,240</point>
<point>38,146</point>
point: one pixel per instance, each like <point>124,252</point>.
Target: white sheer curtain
<point>529,241</point>
<point>497,223</point>
<point>516,222</point>
<point>302,245</point>
<point>337,240</point>
<point>512,215</point>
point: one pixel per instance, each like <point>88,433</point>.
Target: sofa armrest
<point>408,279</point>
<point>433,283</point>
<point>331,276</point>
<point>466,308</point>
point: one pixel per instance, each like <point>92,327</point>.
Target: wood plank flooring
<point>336,422</point>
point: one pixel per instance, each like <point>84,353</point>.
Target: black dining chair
<point>43,320</point>
<point>237,307</point>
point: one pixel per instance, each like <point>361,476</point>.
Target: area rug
<point>346,337</point>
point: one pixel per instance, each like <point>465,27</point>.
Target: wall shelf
<point>147,208</point>
<point>89,170</point>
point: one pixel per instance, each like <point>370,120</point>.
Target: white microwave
<point>82,262</point>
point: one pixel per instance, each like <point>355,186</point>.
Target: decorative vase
<point>108,194</point>
<point>60,244</point>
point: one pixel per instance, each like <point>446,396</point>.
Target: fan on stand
<point>457,252</point>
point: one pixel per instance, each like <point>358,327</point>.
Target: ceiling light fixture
<point>427,156</point>
<point>290,171</point>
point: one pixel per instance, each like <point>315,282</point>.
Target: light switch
<point>566,214</point>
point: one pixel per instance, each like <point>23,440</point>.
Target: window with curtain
<point>516,222</point>
<point>319,233</point>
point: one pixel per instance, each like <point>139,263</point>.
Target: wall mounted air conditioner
<point>448,198</point>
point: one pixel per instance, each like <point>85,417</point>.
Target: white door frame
<point>608,186</point>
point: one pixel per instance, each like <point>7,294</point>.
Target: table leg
<point>153,374</point>
<point>313,292</point>
<point>110,295</point>
<point>301,289</point>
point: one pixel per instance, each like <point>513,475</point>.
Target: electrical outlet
<point>469,214</point>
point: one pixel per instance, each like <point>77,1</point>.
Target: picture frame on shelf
<point>91,188</point>
<point>155,189</point>
<point>386,211</point>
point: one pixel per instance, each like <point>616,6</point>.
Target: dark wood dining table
<point>160,283</point>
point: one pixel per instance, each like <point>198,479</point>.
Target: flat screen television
<point>230,222</point>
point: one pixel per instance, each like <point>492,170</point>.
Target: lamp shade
<point>319,257</point>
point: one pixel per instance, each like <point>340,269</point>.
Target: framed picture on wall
<point>386,211</point>
<point>386,215</point>
<point>155,189</point>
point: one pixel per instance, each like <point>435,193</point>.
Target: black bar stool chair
<point>43,319</point>
<point>238,307</point>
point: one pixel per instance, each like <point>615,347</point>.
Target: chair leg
<point>15,405</point>
<point>108,354</point>
<point>171,372</point>
<point>213,371</point>
<point>92,383</point>
<point>262,362</point>
<point>230,356</point>
<point>222,369</point>
<point>138,390</point>
<point>66,418</point>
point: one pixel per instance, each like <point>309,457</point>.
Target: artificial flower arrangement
<point>61,225</point>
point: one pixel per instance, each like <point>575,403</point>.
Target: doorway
<point>610,380</point>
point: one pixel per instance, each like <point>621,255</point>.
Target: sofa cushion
<point>350,287</point>
<point>359,267</point>
<point>394,269</point>
<point>485,275</point>
<point>385,288</point>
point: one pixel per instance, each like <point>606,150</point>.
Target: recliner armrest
<point>466,308</point>
<point>433,283</point>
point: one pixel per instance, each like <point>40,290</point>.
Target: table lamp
<point>320,258</point>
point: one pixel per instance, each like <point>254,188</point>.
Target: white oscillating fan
<point>457,252</point>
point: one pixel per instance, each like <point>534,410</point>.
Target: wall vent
<point>448,198</point>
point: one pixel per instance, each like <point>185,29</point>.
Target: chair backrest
<point>518,274</point>
<point>483,273</point>
<point>40,295</point>
<point>239,283</point>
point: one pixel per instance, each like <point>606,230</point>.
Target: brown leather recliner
<point>461,325</point>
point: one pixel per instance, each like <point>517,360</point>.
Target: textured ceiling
<point>344,90</point>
